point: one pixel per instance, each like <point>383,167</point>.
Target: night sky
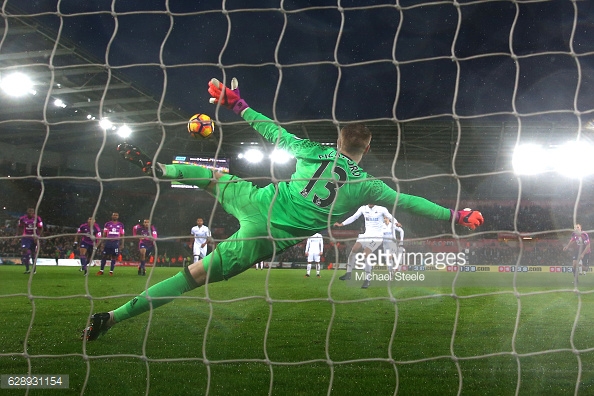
<point>378,61</point>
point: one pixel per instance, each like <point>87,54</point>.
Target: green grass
<point>277,331</point>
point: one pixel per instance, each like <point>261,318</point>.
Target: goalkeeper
<point>327,184</point>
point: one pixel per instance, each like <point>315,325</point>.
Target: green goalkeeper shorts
<point>255,241</point>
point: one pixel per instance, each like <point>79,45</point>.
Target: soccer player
<point>581,251</point>
<point>146,246</point>
<point>29,227</point>
<point>313,250</point>
<point>202,237</point>
<point>326,185</point>
<point>260,264</point>
<point>113,231</point>
<point>369,241</point>
<point>89,233</point>
<point>390,242</point>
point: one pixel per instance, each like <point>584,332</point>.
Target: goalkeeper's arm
<point>231,99</point>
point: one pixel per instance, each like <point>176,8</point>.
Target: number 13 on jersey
<point>331,185</point>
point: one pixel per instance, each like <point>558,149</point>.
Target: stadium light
<point>252,155</point>
<point>574,159</point>
<point>529,159</point>
<point>105,124</point>
<point>280,156</point>
<point>59,103</point>
<point>124,131</point>
<point>17,84</point>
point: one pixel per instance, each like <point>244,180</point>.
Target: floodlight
<point>575,159</point>
<point>17,84</point>
<point>529,159</point>
<point>124,131</point>
<point>280,156</point>
<point>59,103</point>
<point>105,124</point>
<point>253,155</point>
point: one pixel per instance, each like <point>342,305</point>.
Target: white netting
<point>449,89</point>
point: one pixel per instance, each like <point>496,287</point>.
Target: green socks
<point>161,293</point>
<point>189,174</point>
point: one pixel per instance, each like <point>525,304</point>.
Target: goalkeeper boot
<point>346,276</point>
<point>99,326</point>
<point>133,154</point>
<point>365,284</point>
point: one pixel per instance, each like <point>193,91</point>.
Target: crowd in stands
<point>175,212</point>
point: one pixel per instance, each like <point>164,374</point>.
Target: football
<point>200,125</point>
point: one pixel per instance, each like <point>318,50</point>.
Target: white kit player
<point>369,241</point>
<point>392,244</point>
<point>202,237</point>
<point>313,250</point>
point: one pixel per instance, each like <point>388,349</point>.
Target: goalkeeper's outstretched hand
<point>469,218</point>
<point>230,98</point>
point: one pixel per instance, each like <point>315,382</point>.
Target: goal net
<point>472,104</point>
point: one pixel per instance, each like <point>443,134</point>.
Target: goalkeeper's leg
<point>187,174</point>
<point>224,263</point>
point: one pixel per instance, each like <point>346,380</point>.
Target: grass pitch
<point>278,332</point>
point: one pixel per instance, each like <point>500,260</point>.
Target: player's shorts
<point>200,251</point>
<point>111,248</point>
<point>252,243</point>
<point>86,245</point>
<point>371,243</point>
<point>150,248</point>
<point>28,243</point>
<point>146,245</point>
<point>313,257</point>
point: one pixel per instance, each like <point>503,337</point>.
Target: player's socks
<point>318,269</point>
<point>308,268</point>
<point>351,262</point>
<point>161,293</point>
<point>83,263</point>
<point>103,262</point>
<point>26,259</point>
<point>190,174</point>
<point>112,265</point>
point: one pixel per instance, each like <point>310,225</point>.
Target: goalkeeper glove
<point>230,98</point>
<point>469,218</point>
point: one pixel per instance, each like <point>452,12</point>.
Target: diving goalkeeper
<point>327,184</point>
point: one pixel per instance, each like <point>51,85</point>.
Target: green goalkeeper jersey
<point>326,184</point>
